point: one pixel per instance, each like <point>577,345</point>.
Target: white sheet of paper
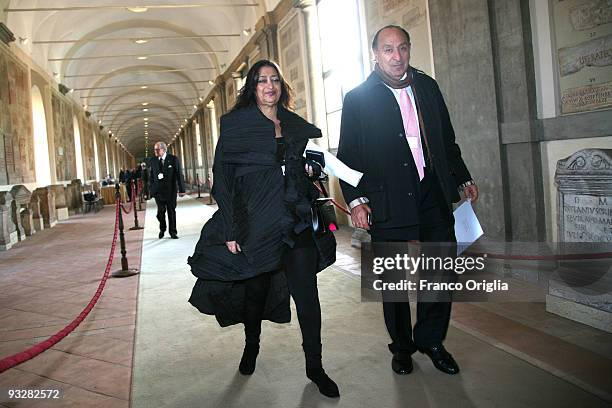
<point>335,167</point>
<point>467,226</point>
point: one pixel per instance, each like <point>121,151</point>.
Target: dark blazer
<point>372,140</point>
<point>166,188</point>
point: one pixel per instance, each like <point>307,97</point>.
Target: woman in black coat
<point>259,246</point>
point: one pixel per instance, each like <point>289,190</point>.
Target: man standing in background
<point>165,179</point>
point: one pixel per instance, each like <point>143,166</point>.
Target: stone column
<point>271,43</point>
<point>315,66</point>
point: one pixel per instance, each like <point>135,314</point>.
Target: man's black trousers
<point>436,225</point>
<point>168,206</point>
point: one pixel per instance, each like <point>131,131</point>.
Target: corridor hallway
<point>89,87</point>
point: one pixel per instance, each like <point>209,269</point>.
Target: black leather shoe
<point>441,359</point>
<point>161,234</point>
<point>173,236</point>
<point>401,364</point>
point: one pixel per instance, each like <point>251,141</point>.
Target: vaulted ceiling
<point>130,60</point>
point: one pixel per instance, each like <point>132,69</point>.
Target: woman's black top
<point>264,211</point>
<point>280,150</point>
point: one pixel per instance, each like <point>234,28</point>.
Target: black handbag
<point>323,214</point>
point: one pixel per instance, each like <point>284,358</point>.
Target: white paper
<point>335,167</point>
<point>467,227</point>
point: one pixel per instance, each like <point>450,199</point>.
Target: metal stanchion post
<point>209,188</point>
<point>139,194</point>
<point>125,269</point>
<point>136,226</point>
<point>198,182</point>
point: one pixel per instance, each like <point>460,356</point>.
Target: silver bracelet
<point>358,201</point>
<point>464,185</point>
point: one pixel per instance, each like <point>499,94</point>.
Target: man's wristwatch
<point>358,201</point>
<point>464,185</point>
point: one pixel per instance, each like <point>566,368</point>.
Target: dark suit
<point>164,189</point>
<point>404,208</point>
<point>127,176</point>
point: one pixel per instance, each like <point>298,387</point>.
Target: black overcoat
<point>259,208</point>
<point>372,140</point>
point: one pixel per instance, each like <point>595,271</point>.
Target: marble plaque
<point>586,98</point>
<point>591,14</point>
<point>587,218</point>
<point>583,38</point>
<point>584,182</point>
<point>593,53</point>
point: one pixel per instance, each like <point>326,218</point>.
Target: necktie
<point>161,163</point>
<point>412,132</point>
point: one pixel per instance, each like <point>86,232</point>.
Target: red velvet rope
<point>131,202</point>
<point>28,354</point>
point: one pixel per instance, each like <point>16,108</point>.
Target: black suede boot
<point>249,358</point>
<point>315,372</point>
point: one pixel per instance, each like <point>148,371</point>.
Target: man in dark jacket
<point>397,131</point>
<point>127,176</point>
<point>165,177</point>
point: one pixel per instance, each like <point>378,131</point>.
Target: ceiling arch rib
<point>133,128</point>
<point>132,26</point>
<point>168,115</point>
<point>130,81</point>
<point>145,97</point>
<point>150,96</point>
<point>164,113</point>
<point>176,81</point>
<point>139,110</point>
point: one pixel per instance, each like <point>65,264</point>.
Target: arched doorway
<point>77,149</point>
<point>41,144</point>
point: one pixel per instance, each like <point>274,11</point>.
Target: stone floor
<point>45,282</point>
<point>511,355</point>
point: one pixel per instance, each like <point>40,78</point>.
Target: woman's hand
<point>313,169</point>
<point>233,247</point>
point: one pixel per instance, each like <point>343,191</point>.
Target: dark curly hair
<point>247,95</point>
